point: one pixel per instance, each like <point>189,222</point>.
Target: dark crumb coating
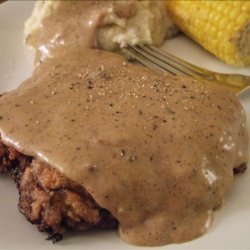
<point>50,200</point>
<point>241,169</point>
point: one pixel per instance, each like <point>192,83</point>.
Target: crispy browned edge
<point>49,199</point>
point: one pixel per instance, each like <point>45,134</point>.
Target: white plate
<point>231,228</point>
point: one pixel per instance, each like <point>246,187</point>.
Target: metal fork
<point>160,60</point>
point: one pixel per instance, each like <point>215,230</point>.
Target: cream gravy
<point>75,23</point>
<point>156,151</point>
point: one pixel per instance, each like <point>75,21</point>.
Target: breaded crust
<point>49,199</point>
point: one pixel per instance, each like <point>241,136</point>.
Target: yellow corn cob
<point>221,27</point>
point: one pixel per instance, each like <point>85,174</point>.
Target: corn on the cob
<point>221,27</point>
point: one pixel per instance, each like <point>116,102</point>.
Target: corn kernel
<point>234,13</point>
<point>246,7</point>
<point>216,25</point>
<point>242,19</point>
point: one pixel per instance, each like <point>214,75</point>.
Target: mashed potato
<point>149,25</point>
<point>124,22</point>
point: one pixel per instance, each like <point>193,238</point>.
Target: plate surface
<point>232,223</point>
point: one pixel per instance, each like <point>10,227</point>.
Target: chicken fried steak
<point>157,152</point>
<point>50,200</point>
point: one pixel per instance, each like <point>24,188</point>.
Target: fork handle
<point>234,82</point>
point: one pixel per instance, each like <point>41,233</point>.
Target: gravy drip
<point>74,24</point>
<point>156,151</point>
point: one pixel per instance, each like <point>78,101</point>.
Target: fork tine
<point>158,56</point>
<point>143,56</point>
<point>188,66</point>
<point>132,54</point>
<point>164,63</point>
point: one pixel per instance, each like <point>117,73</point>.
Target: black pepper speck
<point>90,84</point>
